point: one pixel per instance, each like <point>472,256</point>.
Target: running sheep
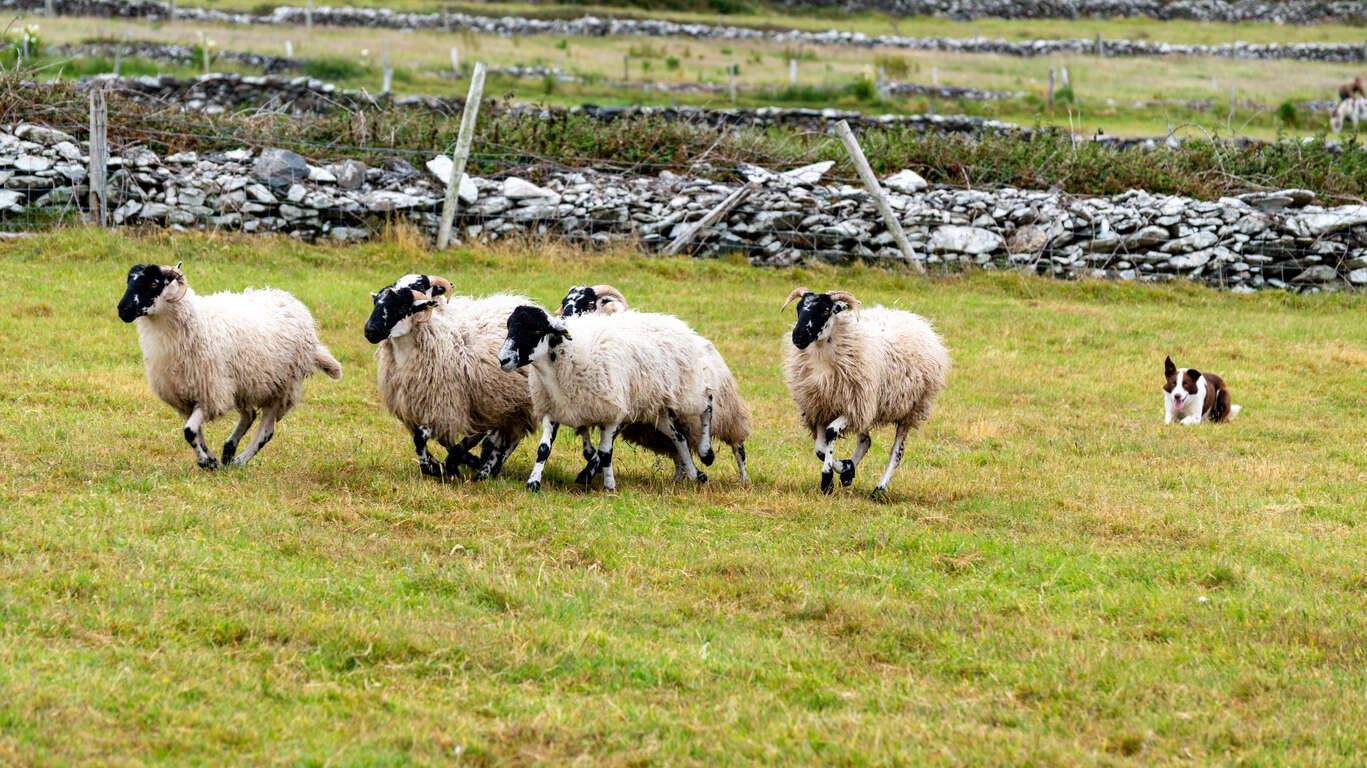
<point>852,369</point>
<point>207,355</point>
<point>438,373</point>
<point>730,418</point>
<point>607,371</point>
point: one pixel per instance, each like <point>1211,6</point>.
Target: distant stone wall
<point>1292,12</point>
<point>1262,240</point>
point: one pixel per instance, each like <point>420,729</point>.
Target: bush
<point>333,68</point>
<point>672,62</point>
<point>864,89</point>
<point>895,67</point>
<point>1287,114</point>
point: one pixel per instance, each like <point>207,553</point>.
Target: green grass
<point>755,13</point>
<point>1059,579</point>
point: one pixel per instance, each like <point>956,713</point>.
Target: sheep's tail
<point>326,362</point>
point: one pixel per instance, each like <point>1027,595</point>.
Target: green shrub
<point>672,62</point>
<point>1287,114</point>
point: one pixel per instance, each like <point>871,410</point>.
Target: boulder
<point>906,181</point>
<point>969,240</point>
<point>279,168</point>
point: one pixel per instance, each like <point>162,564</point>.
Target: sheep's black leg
<point>847,467</point>
<point>683,456</point>
<point>543,452</point>
<point>705,452</point>
<point>264,432</point>
<point>605,455</point>
<point>458,454</point>
<point>825,449</point>
<point>895,458</point>
<point>244,423</point>
<point>491,456</point>
<point>194,435</point>
<point>591,460</point>
<point>739,450</point>
<point>427,464</point>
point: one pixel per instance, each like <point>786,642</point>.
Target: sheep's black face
<point>390,307</point>
<point>145,284</point>
<point>581,299</point>
<point>531,333</point>
<point>814,314</point>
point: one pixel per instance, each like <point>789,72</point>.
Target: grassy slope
<point>422,58</point>
<point>1060,579</point>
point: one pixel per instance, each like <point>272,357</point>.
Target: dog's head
<point>1181,383</point>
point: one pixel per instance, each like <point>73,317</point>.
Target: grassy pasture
<point>1112,95</point>
<point>819,20</point>
<point>1058,578</point>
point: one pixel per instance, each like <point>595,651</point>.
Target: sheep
<point>438,376</point>
<point>1354,108</point>
<point>598,371</point>
<point>207,355</point>
<point>856,371</point>
<point>730,417</point>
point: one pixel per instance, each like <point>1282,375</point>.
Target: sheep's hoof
<point>708,458</point>
<point>229,451</point>
<point>702,477</point>
<point>210,463</point>
<point>533,485</point>
<point>431,469</point>
<point>827,482</point>
<point>879,494</point>
<point>847,474</point>
<point>585,477</point>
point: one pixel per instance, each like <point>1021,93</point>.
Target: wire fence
<point>792,216</point>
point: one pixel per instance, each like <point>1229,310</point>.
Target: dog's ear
<point>1193,374</point>
<point>1168,368</point>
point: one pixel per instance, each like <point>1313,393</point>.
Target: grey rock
<point>32,163</point>
<point>279,168</point>
<point>969,240</point>
<point>351,174</point>
<point>39,134</point>
<point>1319,273</point>
<point>1194,242</point>
<point>906,181</point>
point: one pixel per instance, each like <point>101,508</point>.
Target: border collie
<point>1191,397</point>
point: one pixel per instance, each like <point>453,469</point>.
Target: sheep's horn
<point>846,297</point>
<point>611,293</point>
<point>175,274</point>
<point>796,294</point>
<point>441,283</point>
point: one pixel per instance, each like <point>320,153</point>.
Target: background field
<point>1059,578</point>
<point>1116,96</point>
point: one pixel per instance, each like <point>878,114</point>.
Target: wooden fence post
<point>792,72</point>
<point>708,220</point>
<point>731,73</point>
<point>455,60</point>
<point>99,155</point>
<point>308,13</point>
<point>289,49</point>
<point>1100,49</point>
<point>48,9</point>
<point>842,130</point>
<point>1051,87</point>
<point>935,76</point>
<point>388,74</point>
<point>171,11</point>
<point>462,154</point>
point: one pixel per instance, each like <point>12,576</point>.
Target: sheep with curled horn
<point>729,420</point>
<point>437,370</point>
<point>852,370</point>
<point>208,355</point>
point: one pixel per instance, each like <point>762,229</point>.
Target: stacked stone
<point>1260,240</point>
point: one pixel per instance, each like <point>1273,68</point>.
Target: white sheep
<point>600,371</point>
<point>729,419</point>
<point>851,370</point>
<point>438,372</point>
<point>207,355</point>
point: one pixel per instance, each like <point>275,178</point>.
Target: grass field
<point>1058,579</point>
<point>1113,95</point>
<point>759,15</point>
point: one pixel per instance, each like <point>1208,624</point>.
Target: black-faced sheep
<point>730,416</point>
<point>856,370</point>
<point>605,371</point>
<point>438,372</point>
<point>207,355</point>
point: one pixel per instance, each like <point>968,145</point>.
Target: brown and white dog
<point>1191,396</point>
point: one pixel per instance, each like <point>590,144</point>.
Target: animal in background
<point>1190,396</point>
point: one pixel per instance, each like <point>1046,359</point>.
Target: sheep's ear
<point>558,328</point>
<point>840,306</point>
<point>374,296</point>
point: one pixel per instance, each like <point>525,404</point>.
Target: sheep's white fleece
<point>231,351</point>
<point>444,372</point>
<point>619,369</point>
<point>879,366</point>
